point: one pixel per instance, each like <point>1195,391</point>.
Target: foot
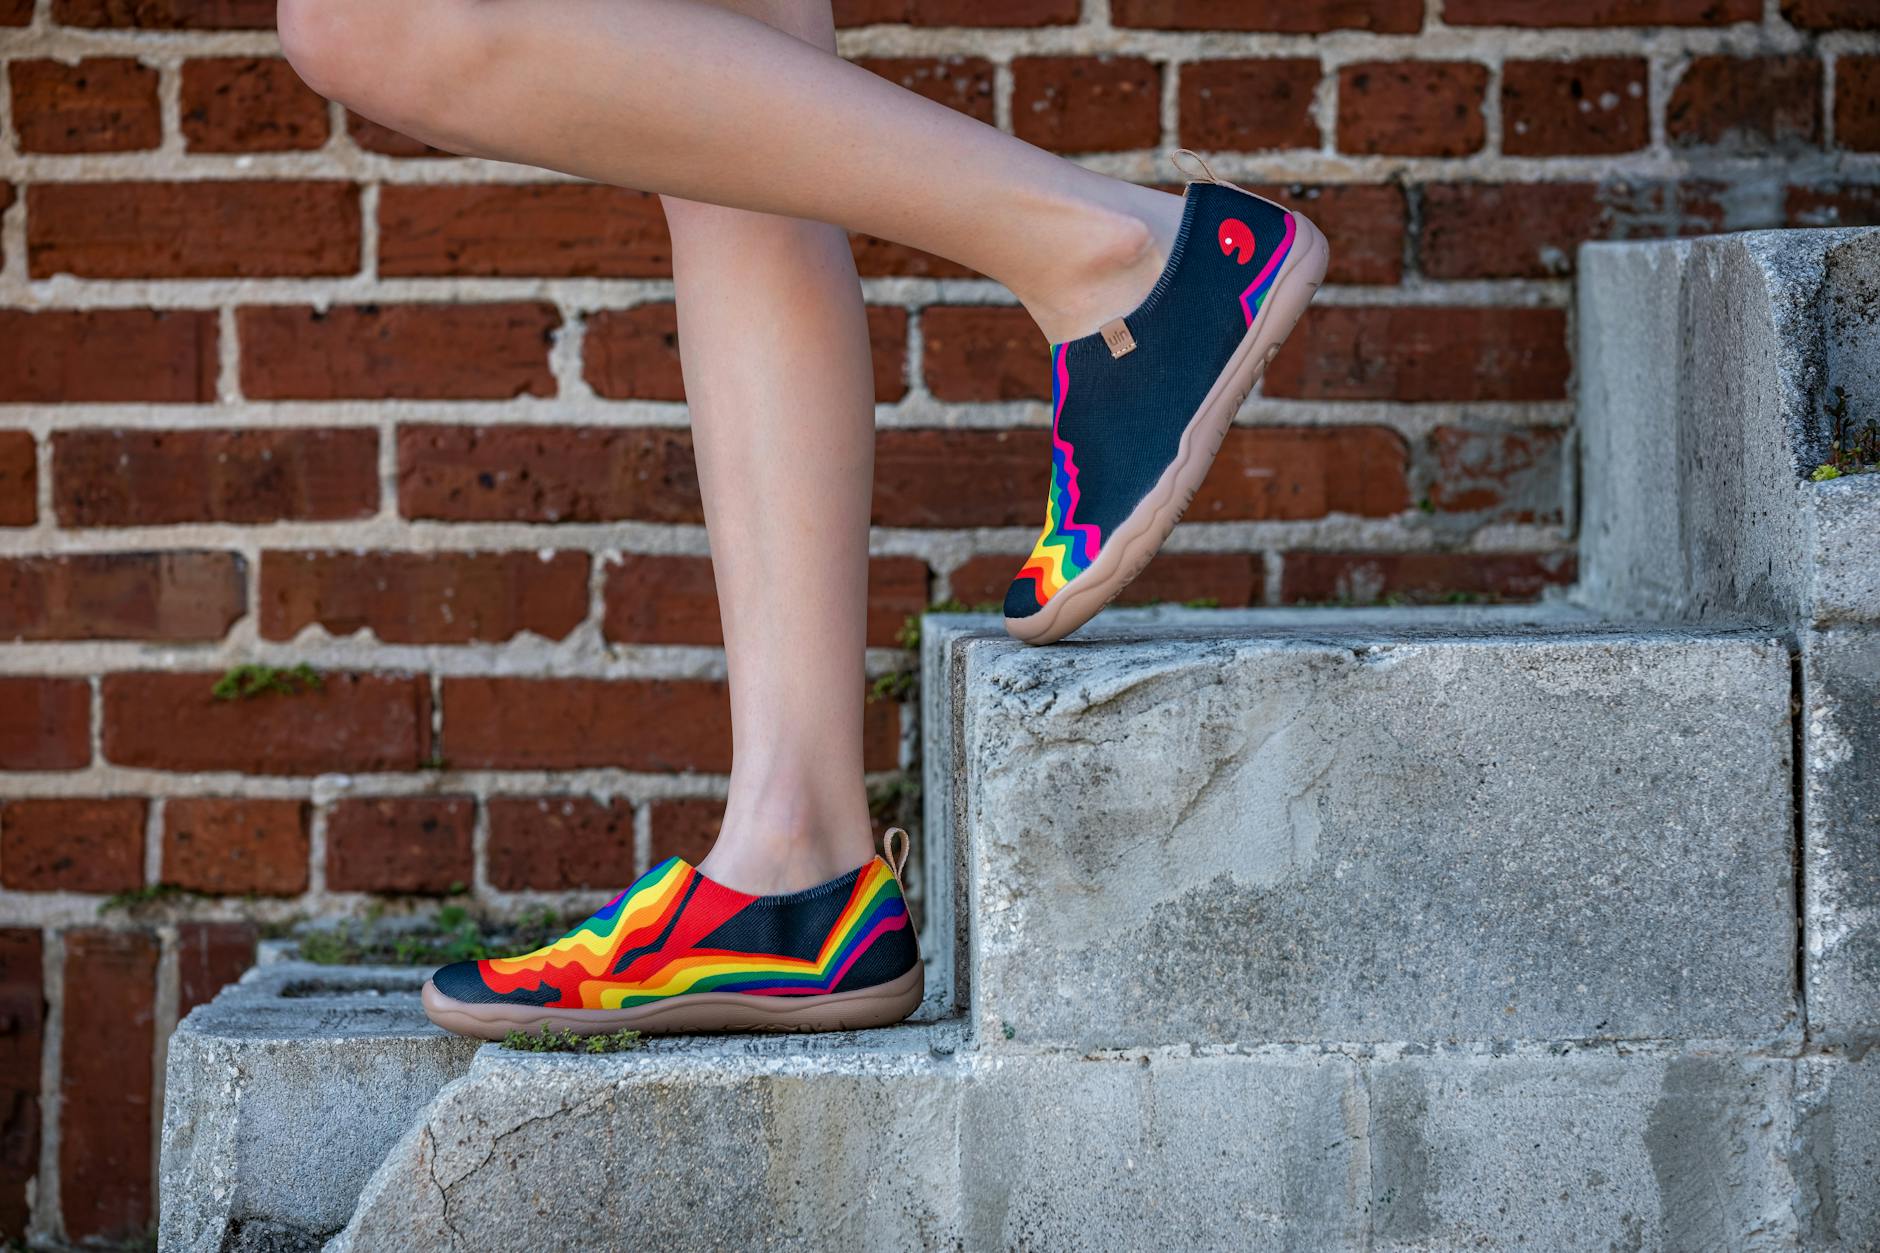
<point>1140,407</point>
<point>680,952</point>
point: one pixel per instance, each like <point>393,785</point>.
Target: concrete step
<point>1356,827</point>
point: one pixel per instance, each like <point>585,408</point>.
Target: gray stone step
<point>1357,827</point>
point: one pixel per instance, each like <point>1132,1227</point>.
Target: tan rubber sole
<point>1132,545</point>
<point>693,1012</point>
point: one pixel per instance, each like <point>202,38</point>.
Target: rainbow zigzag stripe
<point>1065,547</point>
<point>1251,299</point>
<point>644,945</point>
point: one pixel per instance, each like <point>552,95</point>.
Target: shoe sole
<point>1132,545</point>
<point>690,1013</point>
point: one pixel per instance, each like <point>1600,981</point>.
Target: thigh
<point>812,21</point>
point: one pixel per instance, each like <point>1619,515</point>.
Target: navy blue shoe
<point>1140,408</point>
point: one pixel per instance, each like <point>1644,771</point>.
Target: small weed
<point>899,685</point>
<point>549,1040</point>
<point>1850,451</point>
<point>137,898</point>
<point>245,682</point>
<point>1009,1030</point>
<point>452,934</point>
<point>1202,602</point>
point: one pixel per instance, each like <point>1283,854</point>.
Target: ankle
<point>1115,259</point>
<point>786,852</point>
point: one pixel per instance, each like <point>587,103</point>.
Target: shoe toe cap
<point>463,981</point>
<point>1021,598</point>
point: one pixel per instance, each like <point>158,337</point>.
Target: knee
<point>395,63</point>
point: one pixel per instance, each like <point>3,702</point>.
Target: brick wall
<point>280,386</point>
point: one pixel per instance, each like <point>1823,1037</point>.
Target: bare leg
<point>699,102</point>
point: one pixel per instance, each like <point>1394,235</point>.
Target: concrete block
<point>1840,781</point>
<point>1837,1153</point>
<point>1348,834</point>
<point>282,1096</point>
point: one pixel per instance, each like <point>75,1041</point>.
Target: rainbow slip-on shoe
<point>678,952</point>
<point>1140,408</point>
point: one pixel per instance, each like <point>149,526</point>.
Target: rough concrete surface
<point>1837,1150</point>
<point>1841,831</point>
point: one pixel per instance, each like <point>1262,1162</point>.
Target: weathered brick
<point>1852,204</point>
<point>177,595</point>
<point>385,141</point>
<point>1857,103</point>
<point>386,352</point>
<point>192,230</point>
<point>1503,474</point>
<point>45,724</point>
<point>107,356</point>
<point>236,845</point>
<point>1832,14</point>
<point>1746,104</point>
<point>423,597</point>
<point>417,844</point>
<point>353,723</point>
<point>1418,353</point>
<point>1087,104</point>
<point>552,229</point>
<point>1365,578</point>
<point>106,1076</point>
<point>19,479</point>
<point>1250,106</point>
<point>209,957</point>
<point>956,478</point>
<point>1598,105</point>
<point>1298,17</point>
<point>7,197</point>
<point>633,354</point>
<point>547,474</point>
<point>963,83</point>
<point>1412,108</point>
<point>984,352</point>
<point>15,13</point>
<point>876,258</point>
<point>22,1037</point>
<point>1288,473</point>
<point>558,843</point>
<point>887,350</point>
<point>167,14</point>
<point>956,12</point>
<point>158,478</point>
<point>249,104</point>
<point>100,104</point>
<point>79,844</point>
<point>1600,12</point>
<point>1231,580</point>
<point>673,600</point>
<point>1364,223</point>
<point>684,827</point>
<point>1507,230</point>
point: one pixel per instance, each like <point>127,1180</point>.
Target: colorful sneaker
<point>1140,408</point>
<point>677,952</point>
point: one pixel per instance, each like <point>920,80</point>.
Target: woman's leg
<point>710,105</point>
<point>781,390</point>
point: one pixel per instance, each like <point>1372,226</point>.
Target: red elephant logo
<point>1237,237</point>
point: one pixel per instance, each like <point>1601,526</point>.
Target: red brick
<point>423,597</point>
<point>1364,224</point>
<point>19,479</point>
<point>553,229</point>
<point>159,478</point>
<point>547,474</point>
<point>1292,473</point>
<point>1850,205</point>
<point>956,12</point>
<point>250,104</point>
<point>1419,353</point>
<point>627,724</point>
<point>418,844</point>
<point>984,352</point>
<point>22,1036</point>
<point>685,827</point>
<point>558,843</point>
<point>963,83</point>
<point>1598,105</point>
<point>107,356</point>
<point>1746,104</point>
<point>880,257</point>
<point>1412,108</point>
<point>385,141</point>
<point>673,600</point>
<point>1232,580</point>
<point>179,595</point>
<point>1507,230</point>
<point>106,1077</point>
<point>1600,12</point>
<point>1501,474</point>
<point>192,230</point>
<point>1249,106</point>
<point>7,197</point>
<point>1365,578</point>
<point>1832,14</point>
<point>1857,103</point>
<point>887,349</point>
<point>235,846</point>
<point>15,13</point>
<point>387,352</point>
<point>961,478</point>
<point>1298,17</point>
<point>354,723</point>
<point>89,844</point>
<point>167,14</point>
<point>1087,104</point>
<point>101,104</point>
<point>209,957</point>
<point>45,724</point>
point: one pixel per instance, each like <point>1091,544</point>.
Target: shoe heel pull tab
<point>894,848</point>
<point>1207,171</point>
